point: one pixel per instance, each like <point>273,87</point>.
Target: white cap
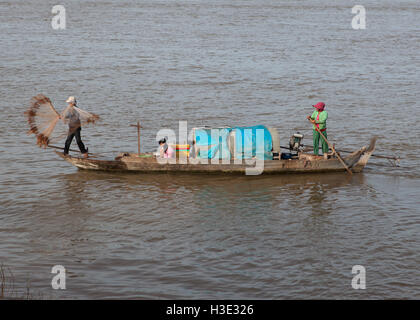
<point>71,100</point>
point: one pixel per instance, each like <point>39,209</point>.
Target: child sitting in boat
<point>165,151</point>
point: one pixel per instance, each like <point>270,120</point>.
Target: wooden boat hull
<point>133,163</point>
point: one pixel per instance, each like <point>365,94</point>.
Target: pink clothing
<point>169,153</point>
<point>319,106</point>
<point>317,119</point>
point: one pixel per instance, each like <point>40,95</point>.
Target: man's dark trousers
<point>74,133</point>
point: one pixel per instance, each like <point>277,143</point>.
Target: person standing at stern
<point>319,119</point>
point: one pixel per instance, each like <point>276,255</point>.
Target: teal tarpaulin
<point>252,142</point>
<point>249,142</point>
<point>212,143</point>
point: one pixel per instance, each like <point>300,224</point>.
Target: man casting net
<point>48,125</point>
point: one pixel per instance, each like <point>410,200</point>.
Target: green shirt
<point>322,119</point>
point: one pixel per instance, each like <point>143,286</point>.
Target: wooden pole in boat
<point>395,158</point>
<point>332,147</point>
<point>138,126</point>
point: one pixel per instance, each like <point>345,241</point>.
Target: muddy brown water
<point>218,63</point>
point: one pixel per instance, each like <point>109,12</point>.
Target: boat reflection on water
<point>218,193</point>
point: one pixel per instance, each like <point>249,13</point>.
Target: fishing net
<point>49,126</point>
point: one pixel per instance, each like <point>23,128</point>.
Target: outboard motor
<point>295,142</point>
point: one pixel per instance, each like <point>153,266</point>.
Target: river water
<point>212,63</point>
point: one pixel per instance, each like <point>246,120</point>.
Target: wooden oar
<point>333,149</point>
<point>395,158</point>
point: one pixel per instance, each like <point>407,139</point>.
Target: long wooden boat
<point>147,162</point>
